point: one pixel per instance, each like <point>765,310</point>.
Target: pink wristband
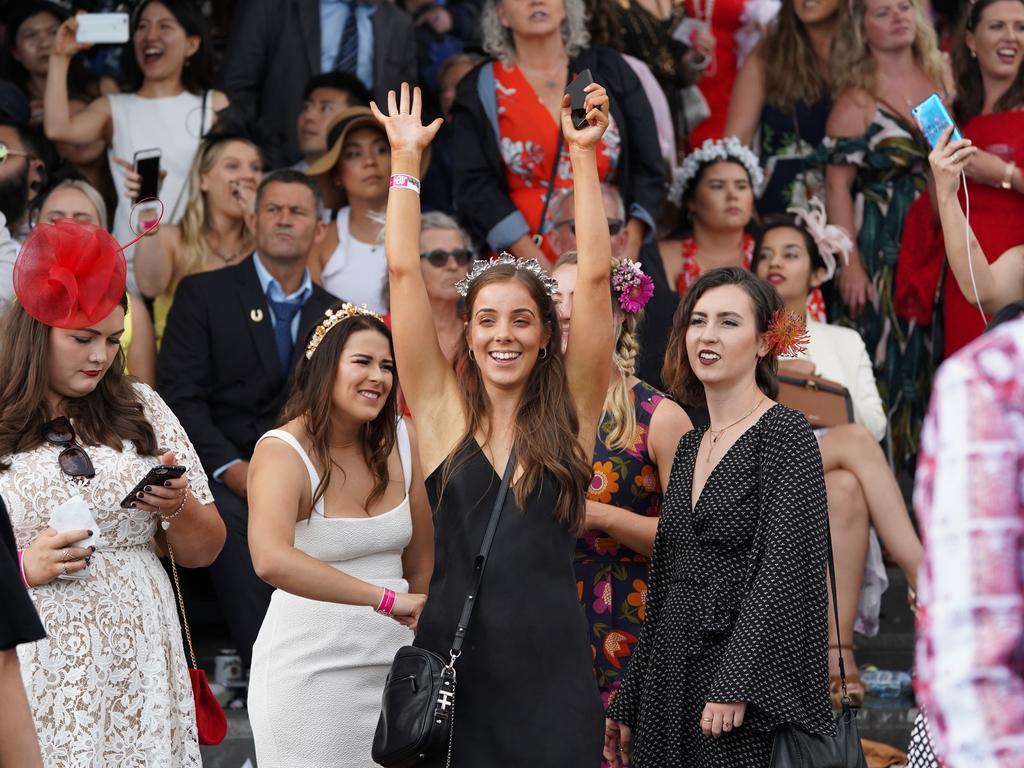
<point>387,602</point>
<point>21,567</point>
<point>401,181</point>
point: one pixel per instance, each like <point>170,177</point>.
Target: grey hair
<point>90,192</point>
<point>606,189</point>
<point>498,40</point>
<point>439,220</point>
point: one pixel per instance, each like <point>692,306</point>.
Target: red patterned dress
<point>529,138</point>
<point>691,271</point>
<point>610,577</point>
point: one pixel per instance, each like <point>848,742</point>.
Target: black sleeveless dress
<point>526,692</point>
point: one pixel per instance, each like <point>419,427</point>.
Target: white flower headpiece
<point>832,240</point>
<point>713,150</point>
<point>528,265</point>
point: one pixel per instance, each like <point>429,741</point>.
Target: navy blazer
<point>219,371</point>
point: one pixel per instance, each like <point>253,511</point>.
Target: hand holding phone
<point>577,93</point>
<point>105,28</point>
<point>147,165</point>
<point>933,118</point>
<point>157,476</point>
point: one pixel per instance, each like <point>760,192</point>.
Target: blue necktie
<point>284,313</point>
<point>348,54</point>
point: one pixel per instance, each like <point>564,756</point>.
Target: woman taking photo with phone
<point>109,685</point>
<point>339,522</point>
<point>168,102</point>
<point>735,639</point>
<point>514,405</point>
<point>213,233</point>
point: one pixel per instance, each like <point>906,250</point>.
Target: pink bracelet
<point>387,602</point>
<point>21,567</point>
<point>402,181</point>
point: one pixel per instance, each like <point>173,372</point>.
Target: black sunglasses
<point>74,461</point>
<point>439,257</point>
<point>614,226</point>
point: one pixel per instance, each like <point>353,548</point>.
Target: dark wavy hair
<point>310,401</point>
<point>684,225</point>
<point>786,220</point>
<point>109,415</point>
<point>197,75</point>
<point>677,375</point>
<point>970,90</point>
<point>547,427</point>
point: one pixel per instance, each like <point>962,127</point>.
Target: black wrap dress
<point>736,603</point>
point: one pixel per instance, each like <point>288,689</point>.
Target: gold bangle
<point>1008,176</point>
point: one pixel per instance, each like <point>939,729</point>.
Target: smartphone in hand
<point>147,165</point>
<point>932,118</point>
<point>158,475</point>
<point>102,28</point>
<point>577,94</point>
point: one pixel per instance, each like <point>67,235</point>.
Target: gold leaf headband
<point>332,318</point>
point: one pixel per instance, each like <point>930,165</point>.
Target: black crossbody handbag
<point>795,748</point>
<point>417,710</point>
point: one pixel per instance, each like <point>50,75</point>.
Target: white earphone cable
<point>967,237</point>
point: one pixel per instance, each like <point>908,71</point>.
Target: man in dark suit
<point>232,340</point>
<point>276,46</point>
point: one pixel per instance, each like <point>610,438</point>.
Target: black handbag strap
<point>539,237</point>
<point>835,609</point>
<point>481,559</point>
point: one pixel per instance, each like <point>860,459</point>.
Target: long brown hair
<point>677,374</point>
<point>970,89</point>
<point>109,415</point>
<point>310,401</point>
<point>546,432</point>
<point>795,77</point>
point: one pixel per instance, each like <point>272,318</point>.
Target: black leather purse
<point>417,709</point>
<point>795,748</point>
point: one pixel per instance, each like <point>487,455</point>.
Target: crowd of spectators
<point>725,119</point>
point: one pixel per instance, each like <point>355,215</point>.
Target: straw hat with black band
<point>353,118</point>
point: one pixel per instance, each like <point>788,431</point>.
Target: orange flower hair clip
<point>787,334</point>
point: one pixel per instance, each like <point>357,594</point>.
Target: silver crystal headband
<point>715,150</point>
<point>527,265</point>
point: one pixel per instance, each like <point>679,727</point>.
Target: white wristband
<point>401,181</point>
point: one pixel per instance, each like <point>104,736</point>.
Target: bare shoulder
<point>851,113</point>
<point>220,100</point>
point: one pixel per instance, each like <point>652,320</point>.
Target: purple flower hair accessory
<point>633,287</point>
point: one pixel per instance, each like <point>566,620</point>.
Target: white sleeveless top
<point>369,548</point>
<point>356,271</point>
<point>175,125</point>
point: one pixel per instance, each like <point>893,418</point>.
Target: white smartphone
<point>102,28</point>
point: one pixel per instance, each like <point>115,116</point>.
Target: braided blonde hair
<point>618,404</point>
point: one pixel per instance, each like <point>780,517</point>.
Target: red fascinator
<point>69,274</point>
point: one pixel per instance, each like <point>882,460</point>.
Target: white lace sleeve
<point>171,436</point>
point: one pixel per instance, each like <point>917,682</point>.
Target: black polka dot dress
<point>736,603</point>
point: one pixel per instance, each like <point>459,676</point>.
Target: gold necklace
<point>716,434</point>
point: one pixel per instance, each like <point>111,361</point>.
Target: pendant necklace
<point>716,434</point>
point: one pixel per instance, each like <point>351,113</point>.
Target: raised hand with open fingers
<point>404,121</point>
<point>596,106</point>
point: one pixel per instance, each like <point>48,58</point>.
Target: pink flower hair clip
<point>633,287</point>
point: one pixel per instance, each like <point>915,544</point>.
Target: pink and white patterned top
<point>969,497</point>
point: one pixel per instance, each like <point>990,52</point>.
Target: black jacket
<point>274,49</point>
<point>481,188</point>
<point>219,371</point>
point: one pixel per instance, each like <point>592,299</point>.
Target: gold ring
<point>706,719</point>
<point>67,556</point>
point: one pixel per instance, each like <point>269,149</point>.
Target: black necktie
<point>284,313</point>
<point>348,54</point>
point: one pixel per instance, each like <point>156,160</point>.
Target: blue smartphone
<point>932,118</point>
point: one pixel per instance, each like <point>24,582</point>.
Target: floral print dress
<point>529,141</point>
<point>611,578</point>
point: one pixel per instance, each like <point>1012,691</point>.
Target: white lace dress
<point>109,686</point>
<point>318,669</point>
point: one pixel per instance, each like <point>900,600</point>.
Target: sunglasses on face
<point>6,152</point>
<point>614,226</point>
<point>73,460</point>
<point>439,257</point>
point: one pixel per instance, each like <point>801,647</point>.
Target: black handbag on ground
<point>417,710</point>
<point>795,748</point>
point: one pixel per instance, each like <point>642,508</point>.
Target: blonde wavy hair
<point>618,405</point>
<point>498,40</point>
<point>852,62</point>
<point>194,244</point>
